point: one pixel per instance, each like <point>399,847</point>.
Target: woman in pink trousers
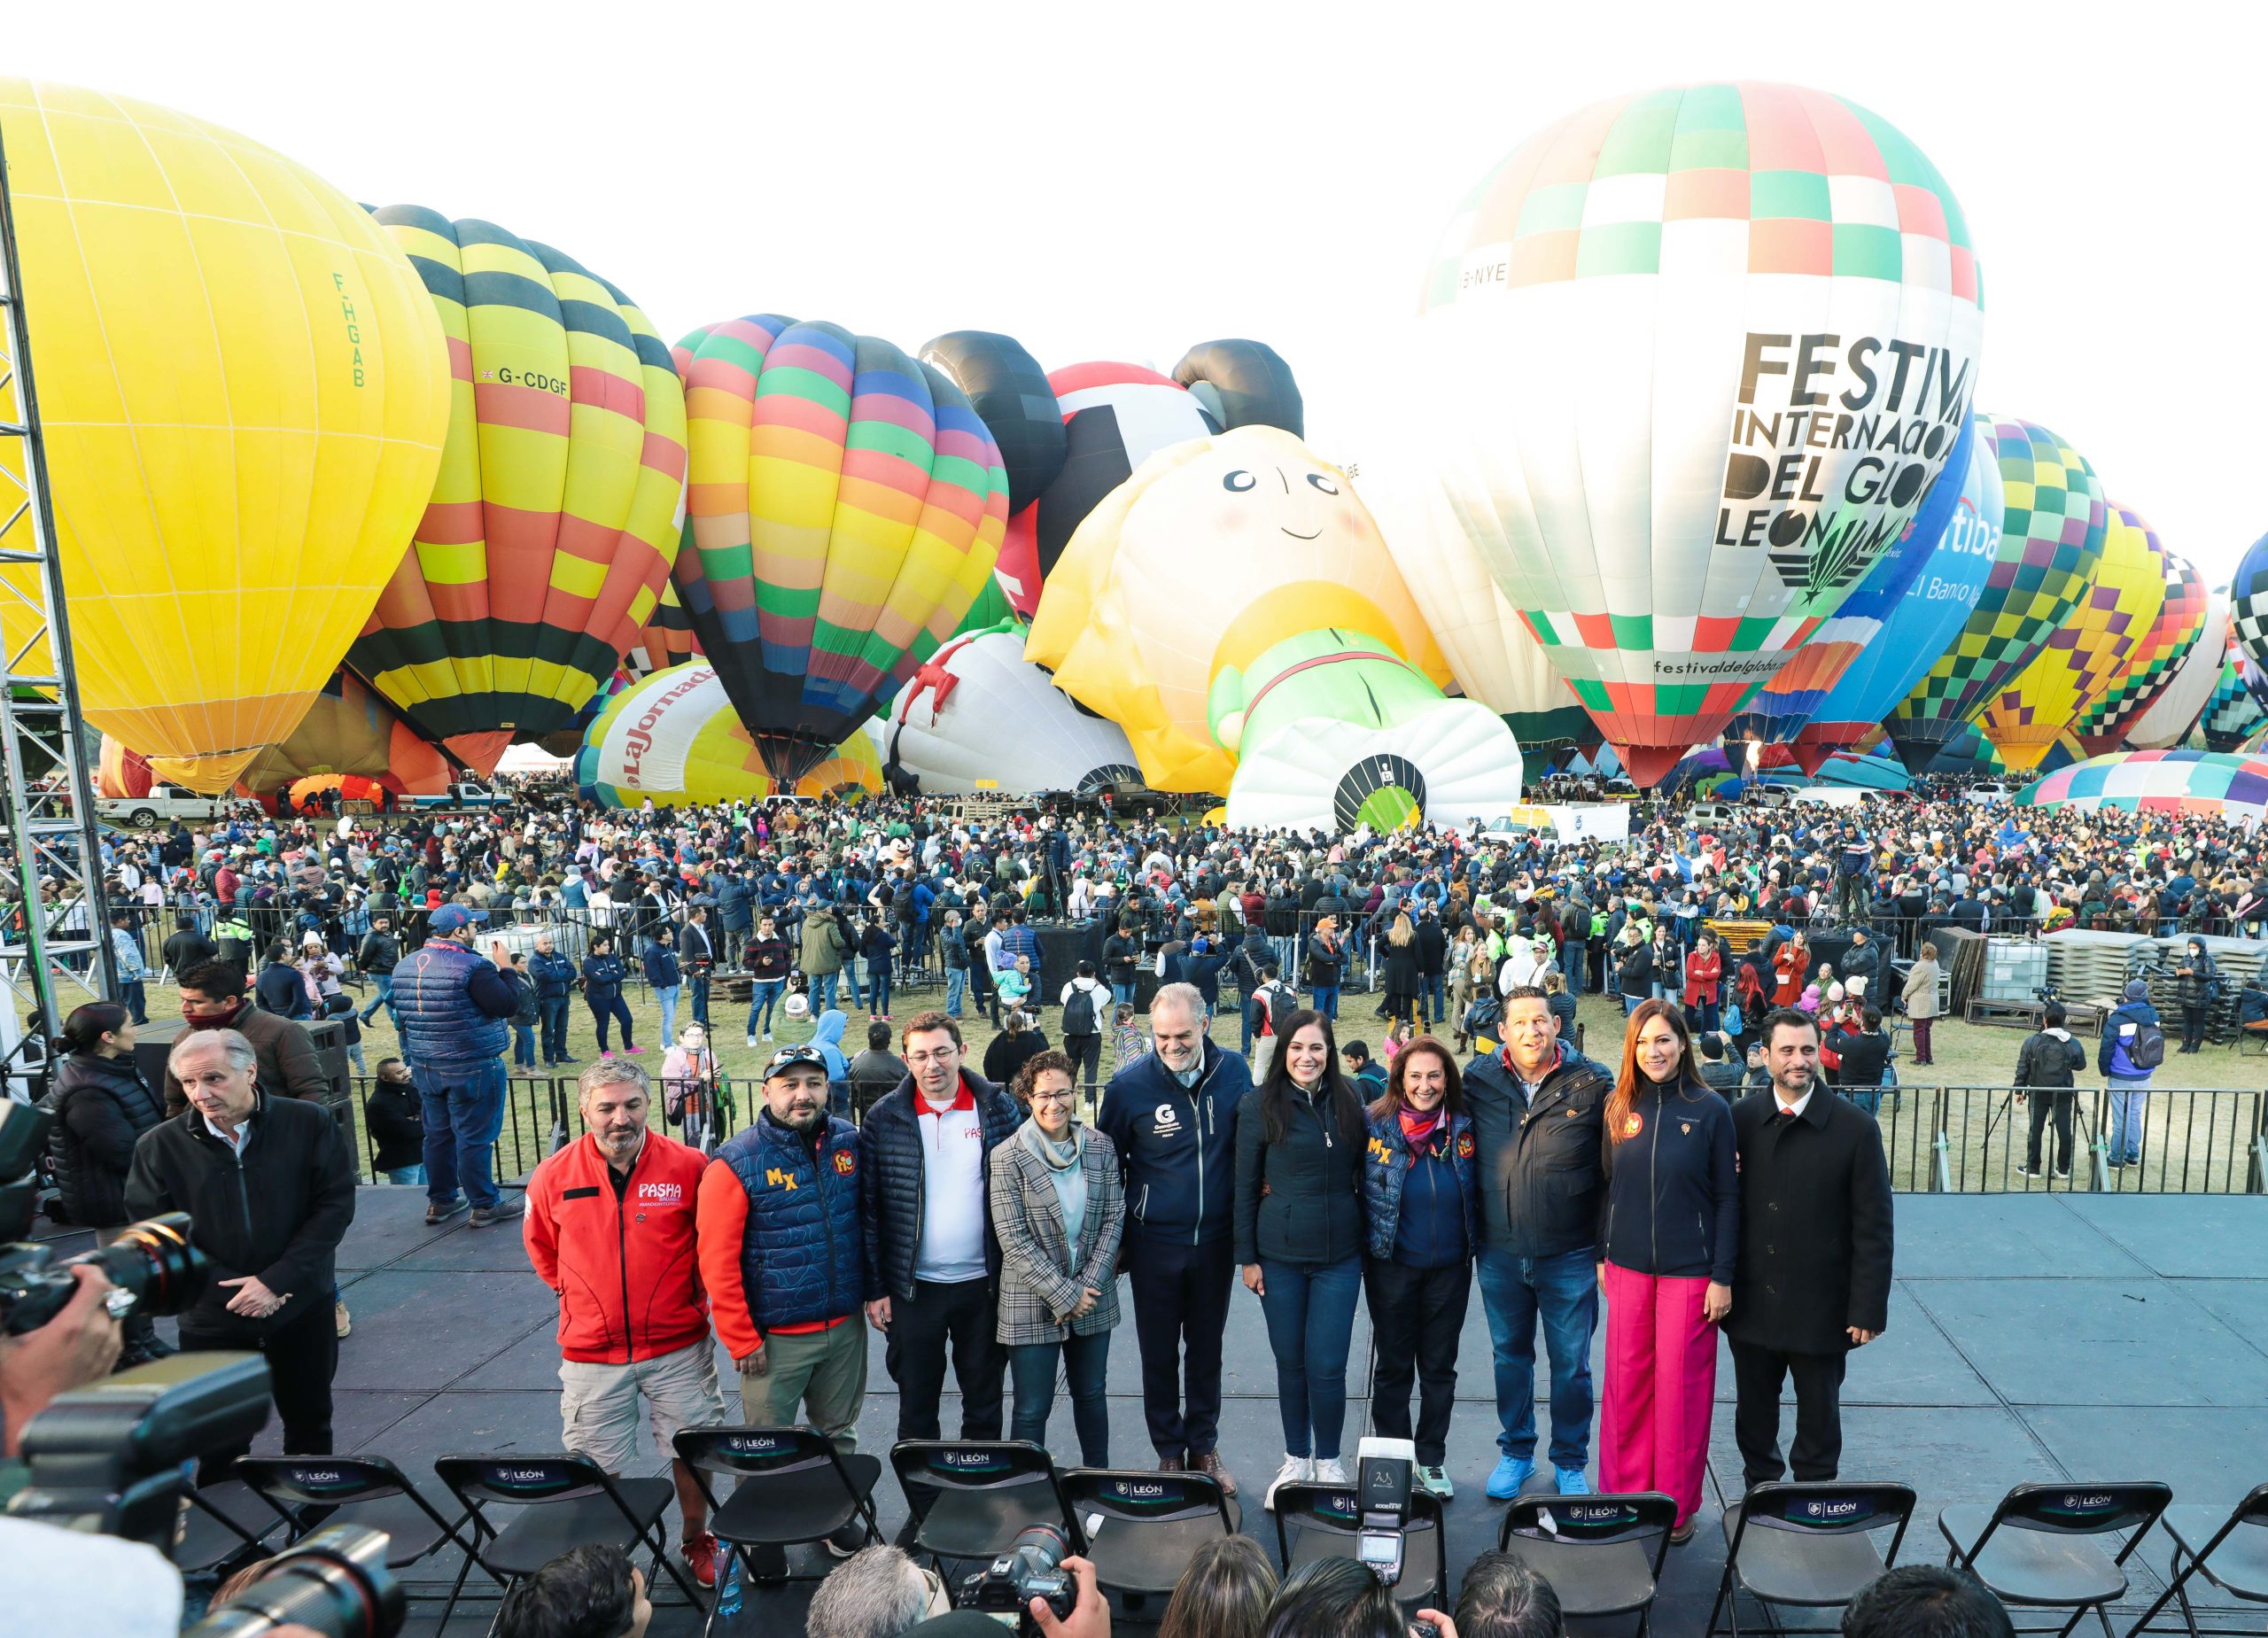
<point>1667,1243</point>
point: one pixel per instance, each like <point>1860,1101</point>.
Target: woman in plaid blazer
<point>1059,1207</point>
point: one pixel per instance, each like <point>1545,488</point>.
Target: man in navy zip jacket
<point>1172,1116</point>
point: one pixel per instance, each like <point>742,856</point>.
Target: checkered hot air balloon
<point>1696,356</point>
<point>2249,603</point>
<point>2150,670</point>
<point>552,526</point>
<point>844,508</point>
<point>2168,719</point>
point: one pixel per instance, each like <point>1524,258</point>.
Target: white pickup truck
<point>163,801</point>
<point>462,794</point>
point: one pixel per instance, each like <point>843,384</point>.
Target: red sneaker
<point>700,1557</point>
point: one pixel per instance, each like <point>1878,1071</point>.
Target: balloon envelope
<point>2170,718</point>
<point>672,739</point>
<point>2151,669</point>
<point>2206,783</point>
<point>243,390</point>
<point>980,717</point>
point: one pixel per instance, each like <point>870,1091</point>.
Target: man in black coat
<point>1813,1280</point>
<point>271,1189</point>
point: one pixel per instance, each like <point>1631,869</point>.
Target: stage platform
<point>2046,1337</point>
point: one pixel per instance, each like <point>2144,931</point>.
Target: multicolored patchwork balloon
<point>2206,783</point>
<point>552,526</point>
<point>1696,356</point>
<point>844,506</point>
<point>2169,719</point>
<point>2151,667</point>
<point>2051,548</point>
<point>2249,603</point>
<point>2235,710</point>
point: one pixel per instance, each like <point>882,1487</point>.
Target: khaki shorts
<point>598,1404</point>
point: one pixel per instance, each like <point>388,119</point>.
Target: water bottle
<point>729,1589</point>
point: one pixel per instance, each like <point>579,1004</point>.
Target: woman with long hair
<point>1224,1594</point>
<point>102,1106</point>
<point>1405,980</point>
<point>1791,968</point>
<point>1424,1206</point>
<point>1671,1234</point>
<point>1298,1229</point>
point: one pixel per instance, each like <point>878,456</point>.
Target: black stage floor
<point>2048,1337</point>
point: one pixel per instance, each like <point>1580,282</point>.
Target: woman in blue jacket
<point>664,974</point>
<point>1668,1238</point>
<point>1424,1211</point>
<point>602,976</point>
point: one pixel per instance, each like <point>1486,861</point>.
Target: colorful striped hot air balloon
<point>672,739</point>
<point>666,639</point>
<point>2235,710</point>
<point>2168,719</point>
<point>2089,647</point>
<point>552,527</point>
<point>844,506</point>
<point>2051,546</point>
<point>243,393</point>
<point>2151,667</point>
<point>2208,784</point>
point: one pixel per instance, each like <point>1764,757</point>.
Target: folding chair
<point>2233,1556</point>
<point>794,1486</point>
<point>972,1498</point>
<point>563,1500</point>
<point>1326,1518</point>
<point>224,1521</point>
<point>2043,1558</point>
<point>1593,1549</point>
<point>1141,1528</point>
<point>1806,1545</point>
<point>310,1493</point>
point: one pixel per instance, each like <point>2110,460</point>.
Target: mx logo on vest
<point>778,1179</point>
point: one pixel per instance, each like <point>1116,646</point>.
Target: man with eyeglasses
<point>933,1262</point>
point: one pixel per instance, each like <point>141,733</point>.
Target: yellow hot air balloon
<point>243,389</point>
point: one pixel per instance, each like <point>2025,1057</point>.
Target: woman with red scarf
<point>1703,969</point>
<point>1423,1207</point>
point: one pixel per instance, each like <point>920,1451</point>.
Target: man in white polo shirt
<point>925,1152</point>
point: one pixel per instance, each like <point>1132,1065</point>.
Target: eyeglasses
<point>789,1055</point>
<point>1066,1095</point>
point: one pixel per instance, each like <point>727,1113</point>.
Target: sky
<point>1121,180</point>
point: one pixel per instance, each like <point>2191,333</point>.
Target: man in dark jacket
<point>379,954</point>
<point>269,1189</point>
<point>2132,1046</point>
<point>1537,1107</point>
<point>1171,1115</point>
<point>1432,964</point>
<point>554,976</point>
<point>454,1004</point>
<point>926,1152</point>
<point>2047,1067</point>
<point>1813,1276</point>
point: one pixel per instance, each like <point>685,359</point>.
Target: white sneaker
<point>751,1041</point>
<point>1332,1472</point>
<point>768,1034</point>
<point>1295,1470</point>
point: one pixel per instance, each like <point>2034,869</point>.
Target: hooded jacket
<point>2113,1057</point>
<point>2049,1062</point>
<point>827,1035</point>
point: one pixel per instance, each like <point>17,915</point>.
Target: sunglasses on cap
<point>787,1057</point>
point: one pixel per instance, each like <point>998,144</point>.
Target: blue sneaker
<point>1571,1481</point>
<point>1510,1473</point>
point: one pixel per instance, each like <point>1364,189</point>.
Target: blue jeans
<point>823,988</point>
<point>407,1175</point>
<point>2127,1101</point>
<point>1310,1311</point>
<point>1563,1292</point>
<point>666,995</point>
<point>522,1045</point>
<point>877,988</point>
<point>384,982</point>
<point>614,1009</point>
<point>1435,1006</point>
<point>1571,964</point>
<point>551,1013</point>
<point>956,987</point>
<point>1326,1002</point>
<point>1120,994</point>
<point>135,999</point>
<point>701,999</point>
<point>1085,1360</point>
<point>463,1113</point>
<point>763,996</point>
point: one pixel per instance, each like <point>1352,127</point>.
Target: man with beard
<point>608,1215</point>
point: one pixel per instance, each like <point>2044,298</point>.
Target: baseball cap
<point>788,1057</point>
<point>449,918</point>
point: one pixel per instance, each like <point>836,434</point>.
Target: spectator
<point>953,948</point>
<point>769,961</point>
<point>1013,983</point>
<point>2048,1068</point>
<point>1334,1598</point>
<point>1224,1594</point>
<point>665,976</point>
<point>375,958</point>
<point>1926,1601</point>
<point>824,951</point>
<point>1861,965</point>
<point>877,947</point>
<point>1007,1053</point>
<point>1499,1596</point>
<point>591,1591</point>
<point>1720,1072</point>
<point>1361,1066</point>
<point>133,970</point>
<point>1863,1060</point>
<point>603,973</point>
<point>611,1214</point>
<point>2197,980</point>
<point>874,1071</point>
<point>1087,1001</point>
<point>454,1003</point>
<point>393,1114</point>
<point>931,1261</point>
<point>187,947</point>
<point>1705,971</point>
<point>270,1188</point>
<point>280,988</point>
<point>527,1011</point>
<point>698,958</point>
<point>1171,1115</point>
<point>878,1593</point>
<point>1326,952</point>
<point>213,998</point>
<point>1920,995</point>
<point>102,1106</point>
<point>2133,1045</point>
<point>1058,1207</point>
<point>555,989</point>
<point>1269,1011</point>
<point>688,1071</point>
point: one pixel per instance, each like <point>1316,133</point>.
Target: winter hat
<point>2137,990</point>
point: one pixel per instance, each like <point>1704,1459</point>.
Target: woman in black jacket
<point>603,973</point>
<point>102,1106</point>
<point>1300,1236</point>
<point>2198,979</point>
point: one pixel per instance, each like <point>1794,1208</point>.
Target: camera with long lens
<point>335,1582</point>
<point>1031,1568</point>
<point>1382,1471</point>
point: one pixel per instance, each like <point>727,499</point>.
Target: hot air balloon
<point>550,530</point>
<point>350,729</point>
<point>1928,616</point>
<point>2235,710</point>
<point>2168,720</point>
<point>978,716</point>
<point>1776,713</point>
<point>844,506</point>
<point>243,391</point>
<point>672,739</point>
<point>666,639</point>
<point>2249,603</point>
<point>2208,784</point>
<point>2089,647</point>
<point>1696,355</point>
<point>2151,667</point>
<point>2051,546</point>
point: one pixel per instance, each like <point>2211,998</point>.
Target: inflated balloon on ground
<point>673,739</point>
<point>980,717</point>
<point>2202,783</point>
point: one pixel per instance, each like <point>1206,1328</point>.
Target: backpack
<point>2146,1050</point>
<point>1486,1012</point>
<point>1079,1012</point>
<point>1282,1003</point>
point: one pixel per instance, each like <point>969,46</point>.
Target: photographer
<point>102,1105</point>
<point>74,1349</point>
<point>592,1591</point>
<point>270,1189</point>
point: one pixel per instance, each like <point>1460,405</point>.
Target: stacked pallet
<point>2087,967</point>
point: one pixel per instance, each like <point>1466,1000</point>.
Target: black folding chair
<point>2036,1548</point>
<point>1326,1518</point>
<point>312,1493</point>
<point>1593,1550</point>
<point>1141,1528</point>
<point>2233,1554</point>
<point>560,1500</point>
<point>1806,1545</point>
<point>225,1521</point>
<point>794,1486</point>
<point>972,1498</point>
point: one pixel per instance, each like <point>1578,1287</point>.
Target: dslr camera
<point>1031,1568</point>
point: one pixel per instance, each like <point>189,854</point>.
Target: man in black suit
<point>1813,1280</point>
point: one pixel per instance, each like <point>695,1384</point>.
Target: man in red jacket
<point>609,1227</point>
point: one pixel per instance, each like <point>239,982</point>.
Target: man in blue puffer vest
<point>453,1004</point>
